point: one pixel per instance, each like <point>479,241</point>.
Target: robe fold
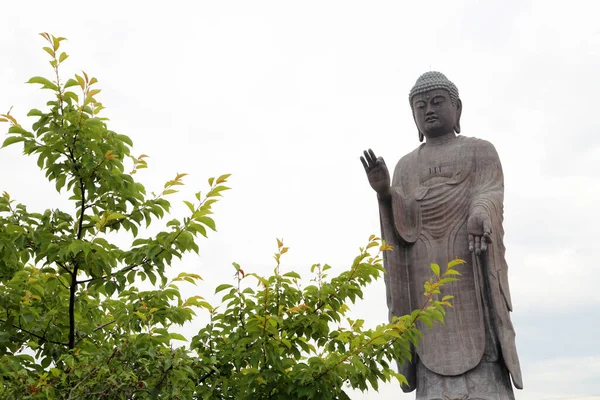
<point>426,222</point>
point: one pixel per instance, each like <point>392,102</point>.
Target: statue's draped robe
<point>426,222</point>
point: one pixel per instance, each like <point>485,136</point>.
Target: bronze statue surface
<point>445,201</point>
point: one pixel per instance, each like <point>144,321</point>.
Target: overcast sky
<point>286,95</point>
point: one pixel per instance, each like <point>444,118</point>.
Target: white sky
<point>285,96</point>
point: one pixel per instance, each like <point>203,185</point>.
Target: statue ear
<point>458,112</point>
<point>421,136</point>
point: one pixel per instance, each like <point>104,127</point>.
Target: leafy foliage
<point>75,323</point>
<point>277,341</point>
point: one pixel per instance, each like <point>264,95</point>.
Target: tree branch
<point>96,329</point>
<point>67,270</point>
<point>82,214</point>
<point>42,338</point>
<point>155,391</point>
<point>206,376</point>
<point>72,291</point>
<point>85,378</point>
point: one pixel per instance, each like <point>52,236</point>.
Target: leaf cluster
<point>76,321</point>
<point>272,338</point>
<point>73,321</point>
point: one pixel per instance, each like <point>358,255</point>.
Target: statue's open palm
<point>377,172</point>
<point>479,227</point>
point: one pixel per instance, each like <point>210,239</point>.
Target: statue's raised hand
<point>377,173</point>
<point>479,228</point>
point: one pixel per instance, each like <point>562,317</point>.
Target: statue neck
<point>440,140</point>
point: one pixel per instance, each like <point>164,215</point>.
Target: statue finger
<point>484,245</point>
<point>471,244</point>
<point>370,161</point>
<point>487,226</point>
<point>373,156</point>
<point>364,163</point>
<point>477,245</point>
<point>487,235</point>
<point>369,158</point>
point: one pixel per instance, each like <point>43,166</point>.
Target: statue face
<point>434,113</point>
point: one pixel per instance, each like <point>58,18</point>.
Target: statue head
<point>435,105</point>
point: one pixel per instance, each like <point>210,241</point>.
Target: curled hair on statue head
<point>433,80</point>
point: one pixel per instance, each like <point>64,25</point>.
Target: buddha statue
<point>445,201</point>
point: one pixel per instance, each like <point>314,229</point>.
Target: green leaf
<point>71,82</point>
<point>177,336</point>
<point>123,138</point>
<point>35,113</point>
<point>152,277</point>
<point>131,277</point>
<point>60,182</point>
<point>12,140</point>
<point>426,320</point>
<point>451,272</point>
<point>208,222</point>
<point>46,84</point>
<point>456,262</point>
<point>436,269</point>
<point>114,215</point>
<point>401,378</point>
<point>217,191</point>
<point>80,81</point>
<point>110,287</point>
<point>190,206</point>
<point>138,242</point>
<point>223,287</point>
<point>437,315</point>
<point>46,361</point>
<point>140,315</point>
<point>443,281</point>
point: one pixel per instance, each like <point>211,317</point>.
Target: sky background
<point>286,95</point>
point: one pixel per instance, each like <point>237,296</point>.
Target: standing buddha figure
<point>445,201</point>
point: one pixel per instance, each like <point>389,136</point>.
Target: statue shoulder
<point>476,143</point>
<point>406,167</point>
<point>408,160</point>
<point>483,156</point>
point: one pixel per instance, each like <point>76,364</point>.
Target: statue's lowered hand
<point>479,227</point>
<point>377,173</point>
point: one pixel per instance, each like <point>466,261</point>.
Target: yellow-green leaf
<point>456,262</point>
<point>46,84</point>
<point>452,272</point>
<point>223,178</point>
<point>436,269</point>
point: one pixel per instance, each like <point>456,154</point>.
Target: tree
<point>75,325</point>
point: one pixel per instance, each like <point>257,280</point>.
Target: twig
<point>43,338</point>
<point>95,330</point>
